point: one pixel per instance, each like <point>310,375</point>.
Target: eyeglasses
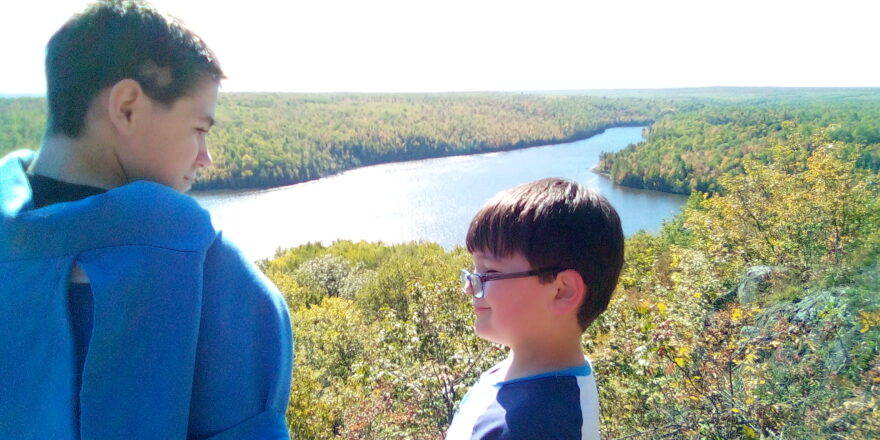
<point>476,280</point>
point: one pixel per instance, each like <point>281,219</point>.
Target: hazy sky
<point>452,45</point>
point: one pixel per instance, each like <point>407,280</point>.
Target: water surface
<point>429,200</point>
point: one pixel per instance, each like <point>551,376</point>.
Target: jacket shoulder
<point>160,215</point>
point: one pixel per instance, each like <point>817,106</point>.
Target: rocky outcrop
<point>755,281</point>
<point>821,319</point>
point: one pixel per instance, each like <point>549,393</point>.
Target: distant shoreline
<point>21,95</point>
<point>212,186</point>
<point>617,92</point>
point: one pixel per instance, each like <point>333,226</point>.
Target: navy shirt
<point>556,405</point>
<point>46,191</point>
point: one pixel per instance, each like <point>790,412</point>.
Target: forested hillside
<point>265,140</point>
<point>270,140</point>
<point>22,122</point>
<point>695,135</point>
<point>690,150</point>
<point>755,314</point>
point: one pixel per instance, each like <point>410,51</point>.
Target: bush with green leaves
<point>385,347</point>
<point>799,362</point>
<point>384,340</point>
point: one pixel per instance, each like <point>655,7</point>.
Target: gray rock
<point>724,300</point>
<point>811,313</point>
<point>755,281</point>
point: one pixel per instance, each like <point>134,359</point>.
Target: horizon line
<point>537,91</point>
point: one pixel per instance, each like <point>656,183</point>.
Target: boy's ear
<point>571,292</point>
<point>125,99</point>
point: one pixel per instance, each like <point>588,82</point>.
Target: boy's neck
<point>532,359</point>
<point>79,161</point>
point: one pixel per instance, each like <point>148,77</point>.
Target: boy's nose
<point>468,288</point>
<point>204,159</point>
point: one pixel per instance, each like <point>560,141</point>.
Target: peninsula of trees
<point>690,149</point>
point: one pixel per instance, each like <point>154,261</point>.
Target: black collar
<point>47,191</point>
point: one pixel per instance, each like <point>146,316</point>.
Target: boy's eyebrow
<point>209,119</point>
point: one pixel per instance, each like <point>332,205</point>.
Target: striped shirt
<point>556,405</point>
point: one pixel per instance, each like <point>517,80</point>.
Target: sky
<point>496,45</point>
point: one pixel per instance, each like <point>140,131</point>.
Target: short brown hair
<point>556,223</point>
<point>117,39</point>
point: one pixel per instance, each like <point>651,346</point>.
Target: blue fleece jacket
<point>188,339</point>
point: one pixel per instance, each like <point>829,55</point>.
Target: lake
<point>425,200</point>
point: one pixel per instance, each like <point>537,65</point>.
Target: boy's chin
<point>182,187</point>
<point>484,333</point>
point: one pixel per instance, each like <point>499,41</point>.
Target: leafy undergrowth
<point>687,349</point>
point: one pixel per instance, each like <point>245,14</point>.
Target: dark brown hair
<point>117,39</point>
<point>556,223</point>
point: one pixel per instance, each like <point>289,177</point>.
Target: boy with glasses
<point>547,256</point>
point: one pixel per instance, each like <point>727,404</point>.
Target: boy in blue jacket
<point>547,256</point>
<point>125,315</point>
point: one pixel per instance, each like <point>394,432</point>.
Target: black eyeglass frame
<point>476,279</point>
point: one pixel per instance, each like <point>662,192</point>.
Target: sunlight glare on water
<point>427,200</point>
